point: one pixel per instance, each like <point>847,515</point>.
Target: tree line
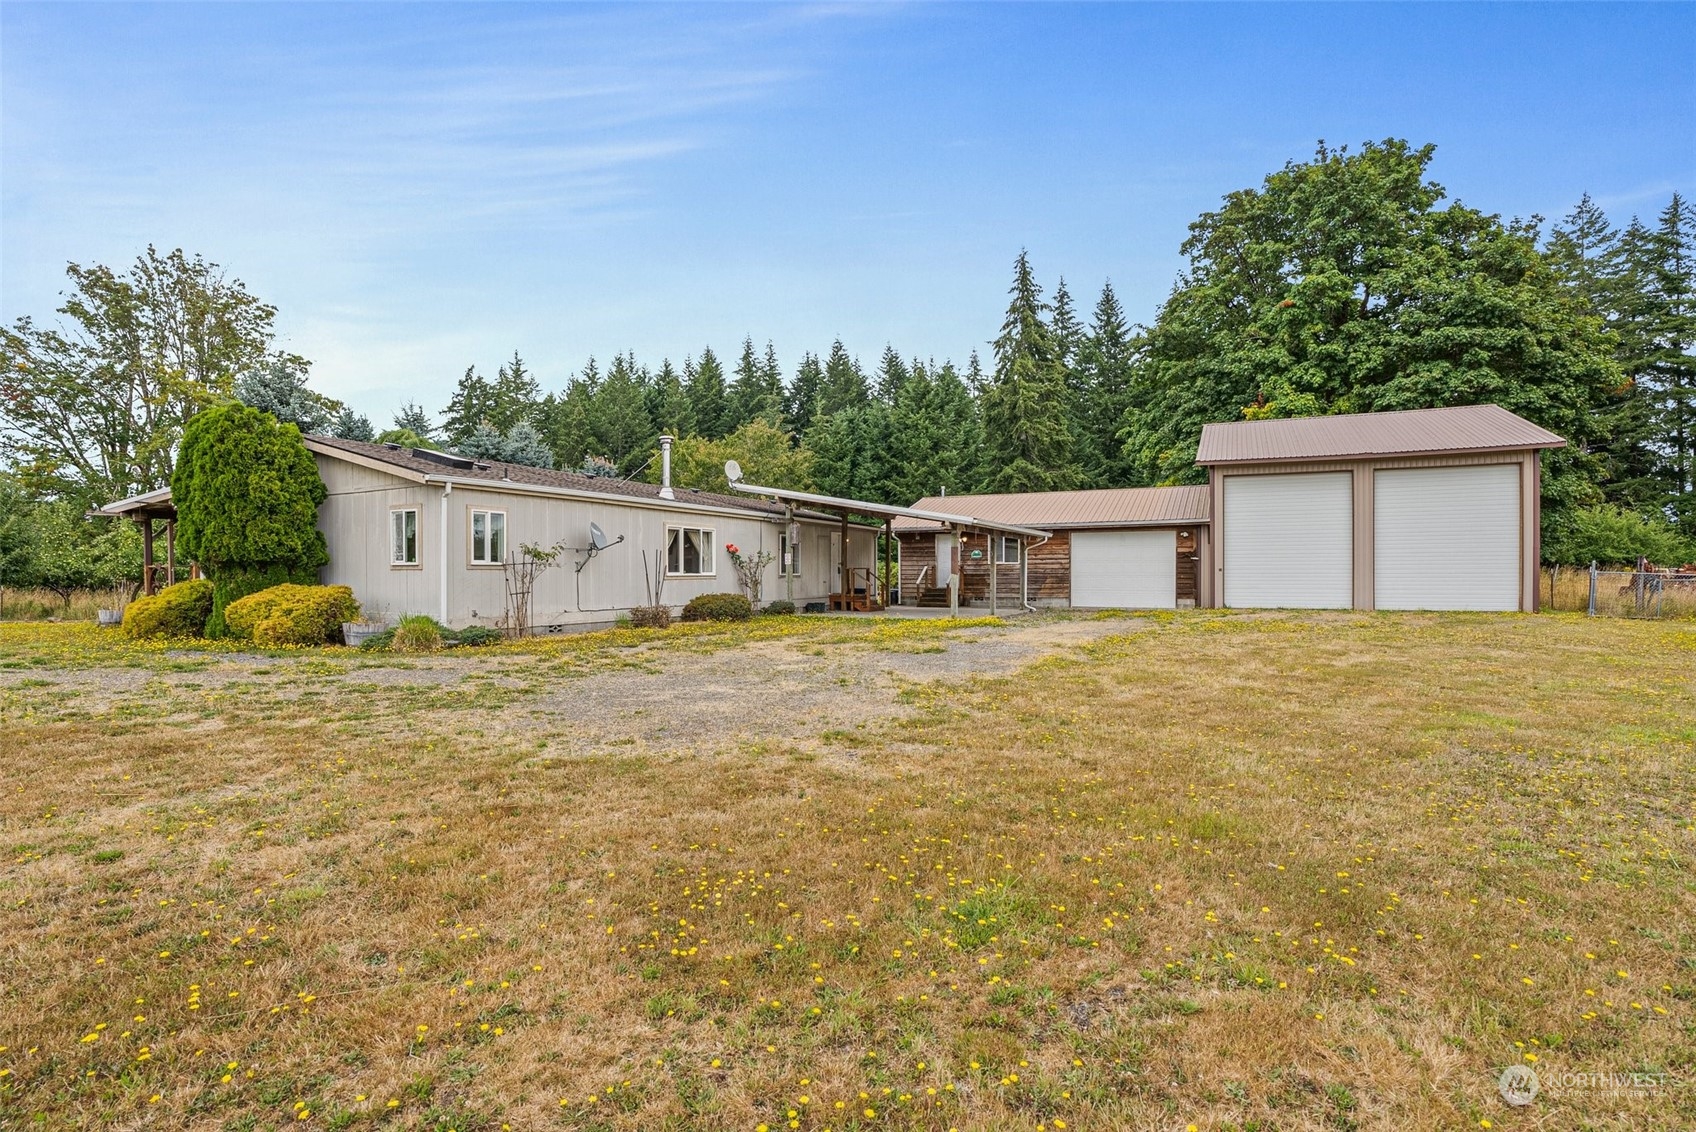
<point>1348,282</point>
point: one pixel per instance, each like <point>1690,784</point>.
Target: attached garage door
<point>1125,569</point>
<point>1447,538</point>
<point>1289,541</point>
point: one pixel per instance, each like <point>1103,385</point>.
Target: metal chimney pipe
<point>665,468</point>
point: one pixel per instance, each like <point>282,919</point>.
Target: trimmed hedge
<point>780,608</point>
<point>175,611</point>
<point>718,607</point>
<point>291,615</point>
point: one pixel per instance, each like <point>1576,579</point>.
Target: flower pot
<point>109,618</point>
<point>356,633</point>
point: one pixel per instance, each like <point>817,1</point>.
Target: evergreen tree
<point>618,417</point>
<point>668,403</point>
<point>892,375</point>
<point>802,402</point>
<point>704,382</point>
<point>247,492</point>
<point>278,386</point>
<point>472,403</point>
<point>1662,261</point>
<point>843,385</point>
<point>757,391</point>
<point>933,436</point>
<point>412,418</point>
<point>1104,366</point>
<point>521,444</point>
<point>564,423</point>
<point>514,396</point>
<point>1063,325</point>
<point>1028,442</point>
<point>851,452</point>
<point>350,425</point>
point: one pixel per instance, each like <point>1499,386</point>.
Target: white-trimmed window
<point>1006,550</point>
<point>403,536</point>
<point>789,558</point>
<point>488,538</point>
<point>689,551</point>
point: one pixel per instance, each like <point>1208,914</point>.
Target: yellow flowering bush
<point>175,611</point>
<point>291,615</point>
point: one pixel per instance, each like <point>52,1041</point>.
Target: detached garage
<point>1426,509</point>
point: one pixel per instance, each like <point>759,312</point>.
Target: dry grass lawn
<point>1252,871</point>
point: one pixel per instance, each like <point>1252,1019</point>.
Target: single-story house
<point>1423,509</point>
<point>1127,547</point>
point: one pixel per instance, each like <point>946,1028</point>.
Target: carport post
<point>1592,587</point>
<point>1024,574</point>
<point>994,573</point>
<point>956,568</point>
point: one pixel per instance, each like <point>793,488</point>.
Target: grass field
<point>1254,871</point>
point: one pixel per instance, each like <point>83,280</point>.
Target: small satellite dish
<point>732,471</point>
<point>597,537</point>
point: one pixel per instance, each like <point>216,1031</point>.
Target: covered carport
<point>855,511</point>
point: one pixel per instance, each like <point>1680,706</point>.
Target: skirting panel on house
<point>1125,569</point>
<point>1447,538</point>
<point>1289,540</point>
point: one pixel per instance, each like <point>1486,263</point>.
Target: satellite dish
<point>732,471</point>
<point>597,537</point>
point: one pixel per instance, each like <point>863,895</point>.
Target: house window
<point>1006,551</point>
<point>488,538</point>
<point>789,562</point>
<point>689,551</point>
<point>403,536</point>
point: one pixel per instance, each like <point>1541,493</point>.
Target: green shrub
<point>175,611</point>
<point>476,636</point>
<point>718,607</point>
<point>379,642</point>
<point>417,633</point>
<point>247,493</point>
<point>780,608</point>
<point>291,615</point>
<point>1614,536</point>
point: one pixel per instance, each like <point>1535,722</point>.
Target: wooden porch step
<point>936,598</point>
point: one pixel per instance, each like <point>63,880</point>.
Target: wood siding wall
<point>1049,569</point>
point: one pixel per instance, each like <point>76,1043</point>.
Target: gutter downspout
<point>447,490</point>
<point>1025,573</point>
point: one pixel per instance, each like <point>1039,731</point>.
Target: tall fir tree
<point>892,375</point>
<point>801,402</point>
<point>1664,265</point>
<point>756,392</point>
<point>668,404</point>
<point>514,396</point>
<point>1028,442</point>
<point>933,436</point>
<point>472,403</point>
<point>843,385</point>
<point>412,418</point>
<point>704,381</point>
<point>1105,360</point>
<point>618,416</point>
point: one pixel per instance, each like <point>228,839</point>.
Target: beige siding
<point>1363,470</point>
<point>355,522</point>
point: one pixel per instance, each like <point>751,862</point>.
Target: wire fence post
<point>1592,587</point>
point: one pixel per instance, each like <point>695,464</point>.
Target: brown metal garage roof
<point>1106,507</point>
<point>1466,428</point>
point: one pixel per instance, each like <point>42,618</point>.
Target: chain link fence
<point>1648,593</point>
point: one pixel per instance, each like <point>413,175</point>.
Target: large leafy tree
<point>1345,284</point>
<point>247,492</point>
<point>93,408</point>
<point>764,451</point>
<point>1027,436</point>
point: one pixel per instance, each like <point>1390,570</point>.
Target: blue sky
<point>422,188</point>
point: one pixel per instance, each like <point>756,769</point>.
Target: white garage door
<point>1289,541</point>
<point>1447,538</point>
<point>1125,569</point>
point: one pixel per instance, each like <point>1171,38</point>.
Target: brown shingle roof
<point>496,473</point>
<point>1466,428</point>
<point>1104,507</point>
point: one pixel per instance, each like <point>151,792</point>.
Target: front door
<point>946,566</point>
